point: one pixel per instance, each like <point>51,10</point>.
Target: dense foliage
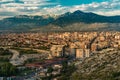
<point>8,69</point>
<point>22,51</point>
<point>67,71</point>
<point>4,52</point>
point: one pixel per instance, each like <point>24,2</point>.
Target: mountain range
<point>76,21</point>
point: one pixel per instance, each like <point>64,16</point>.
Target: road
<point>16,59</point>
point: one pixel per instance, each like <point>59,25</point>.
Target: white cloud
<point>26,7</point>
<point>109,13</point>
<point>38,7</point>
<point>5,0</point>
<point>103,8</point>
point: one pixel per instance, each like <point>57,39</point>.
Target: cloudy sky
<point>40,7</point>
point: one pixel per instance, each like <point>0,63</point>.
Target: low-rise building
<point>57,50</point>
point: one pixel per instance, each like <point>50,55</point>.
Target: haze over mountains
<point>76,21</point>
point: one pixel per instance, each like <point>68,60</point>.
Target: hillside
<point>103,65</point>
<point>76,21</point>
<point>79,16</point>
<point>24,22</point>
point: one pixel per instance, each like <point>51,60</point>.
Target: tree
<point>7,69</point>
<point>50,70</point>
<point>65,66</point>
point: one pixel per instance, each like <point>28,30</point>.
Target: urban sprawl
<point>39,51</point>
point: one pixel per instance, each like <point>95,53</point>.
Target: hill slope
<point>24,22</point>
<point>76,21</point>
<point>104,65</point>
<point>78,16</point>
